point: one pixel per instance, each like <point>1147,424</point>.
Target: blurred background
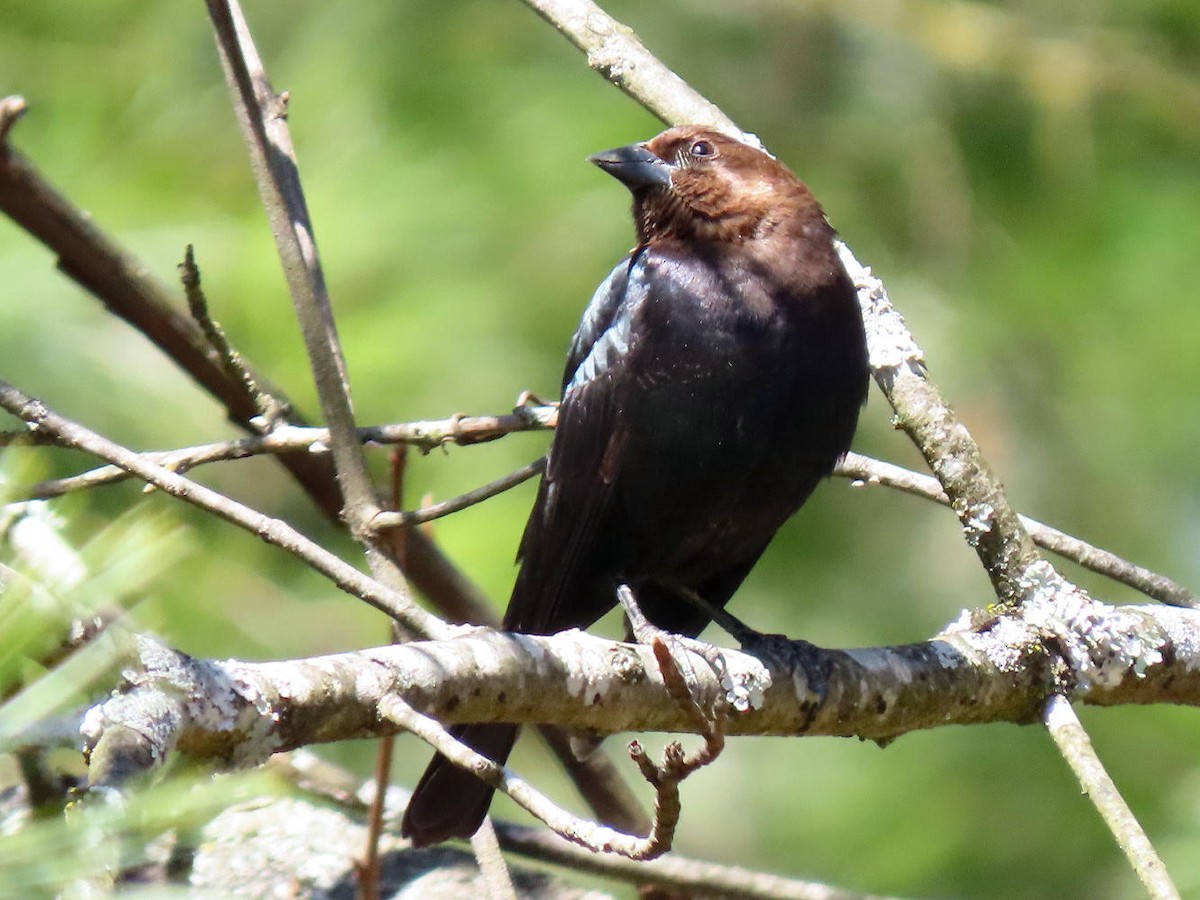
<point>1025,178</point>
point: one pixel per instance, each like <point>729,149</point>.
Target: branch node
<point>11,109</point>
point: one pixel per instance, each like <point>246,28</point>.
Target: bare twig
<point>390,519</point>
<point>271,410</point>
<point>339,786</point>
<point>597,838</point>
<point>865,470</point>
<point>262,115</point>
<point>1077,750</point>
<point>615,52</point>
<point>273,531</point>
<point>676,765</point>
<point>692,877</point>
<point>283,439</point>
<point>366,870</point>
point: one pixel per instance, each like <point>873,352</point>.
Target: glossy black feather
<point>715,379</point>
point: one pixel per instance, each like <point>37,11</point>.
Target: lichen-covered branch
<point>981,669</point>
<point>990,524</point>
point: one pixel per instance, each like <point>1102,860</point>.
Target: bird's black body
<point>715,379</point>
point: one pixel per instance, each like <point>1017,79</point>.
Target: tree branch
<point>402,519</point>
<point>597,838</point>
<point>263,116</point>
<point>865,471</point>
<point>273,531</point>
<point>332,784</point>
<point>999,669</point>
<point>123,284</point>
<point>1076,748</point>
<point>861,469</point>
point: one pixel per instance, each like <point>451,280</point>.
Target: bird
<point>716,377</point>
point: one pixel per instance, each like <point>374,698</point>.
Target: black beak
<point>634,166</point>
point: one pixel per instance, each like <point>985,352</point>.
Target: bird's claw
<point>674,652</point>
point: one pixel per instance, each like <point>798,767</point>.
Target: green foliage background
<point>1026,179</point>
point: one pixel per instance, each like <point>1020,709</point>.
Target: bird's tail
<point>451,802</point>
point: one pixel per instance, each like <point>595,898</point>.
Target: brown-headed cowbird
<point>715,379</point>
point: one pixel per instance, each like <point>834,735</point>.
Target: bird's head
<point>697,184</point>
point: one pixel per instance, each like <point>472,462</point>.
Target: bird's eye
<point>702,149</point>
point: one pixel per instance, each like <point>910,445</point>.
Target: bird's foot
<point>674,653</point>
<point>734,627</point>
<point>529,398</point>
<point>536,411</point>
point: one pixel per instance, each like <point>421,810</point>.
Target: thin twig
<point>399,519</point>
<point>273,531</point>
<point>477,429</point>
<point>615,52</point>
<point>1077,750</point>
<point>262,115</point>
<point>676,765</point>
<point>866,471</point>
<point>366,870</point>
<point>690,877</point>
<point>271,410</point>
<point>341,787</point>
<point>283,439</point>
<point>595,837</point>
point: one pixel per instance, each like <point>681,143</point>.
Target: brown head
<point>697,184</point>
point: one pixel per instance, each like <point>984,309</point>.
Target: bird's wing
<point>604,329</point>
<point>558,550</point>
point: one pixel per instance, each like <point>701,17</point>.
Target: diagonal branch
<point>865,470</point>
<point>1076,748</point>
<point>123,284</point>
<point>262,114</point>
<point>273,531</point>
<point>595,837</point>
<point>615,52</point>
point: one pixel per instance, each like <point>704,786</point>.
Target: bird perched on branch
<point>715,379</point>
